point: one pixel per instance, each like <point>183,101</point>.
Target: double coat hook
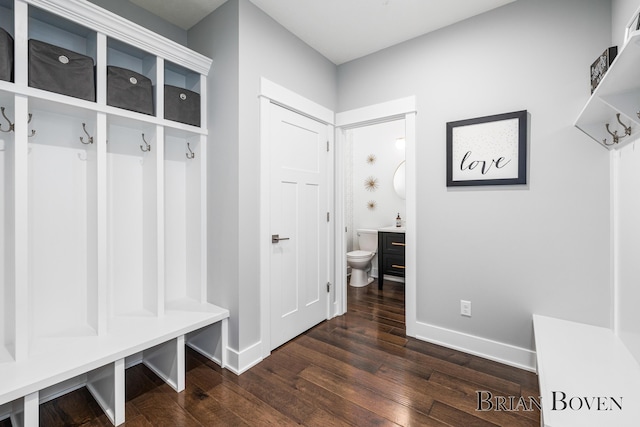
<point>12,126</point>
<point>190,154</point>
<point>615,137</point>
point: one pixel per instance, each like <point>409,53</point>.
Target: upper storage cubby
<point>53,29</point>
<point>612,115</point>
<point>178,76</point>
<point>125,69</point>
<point>6,16</point>
<point>182,100</point>
<point>6,40</point>
<point>132,76</point>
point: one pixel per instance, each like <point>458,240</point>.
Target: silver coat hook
<point>89,137</point>
<point>146,146</point>
<point>12,126</point>
<point>615,137</point>
<point>190,154</point>
<point>627,129</point>
<point>33,132</point>
<point>614,134</point>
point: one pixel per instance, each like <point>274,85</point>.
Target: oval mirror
<point>398,181</point>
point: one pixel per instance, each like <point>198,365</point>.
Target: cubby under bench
<point>59,365</point>
<point>587,375</point>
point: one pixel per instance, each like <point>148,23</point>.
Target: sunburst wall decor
<point>371,184</point>
<point>371,159</point>
<point>371,204</point>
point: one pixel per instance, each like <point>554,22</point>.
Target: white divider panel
<point>20,216</point>
<point>211,341</point>
<point>106,384</point>
<point>26,411</point>
<point>167,360</point>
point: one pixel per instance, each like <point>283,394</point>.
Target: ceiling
<point>341,30</point>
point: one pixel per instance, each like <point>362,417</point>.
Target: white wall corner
<point>507,354</point>
<point>242,361</point>
<point>295,102</point>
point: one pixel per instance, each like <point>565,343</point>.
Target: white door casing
<point>299,207</point>
<point>402,108</point>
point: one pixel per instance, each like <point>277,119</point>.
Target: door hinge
<point>328,287</point>
<point>328,217</point>
<point>327,146</point>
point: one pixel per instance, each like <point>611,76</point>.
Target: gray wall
<point>144,18</point>
<point>216,36</point>
<point>621,13</point>
<point>267,50</point>
<point>628,250</point>
<point>246,44</point>
<point>543,248</point>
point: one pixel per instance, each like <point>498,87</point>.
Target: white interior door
<point>299,224</point>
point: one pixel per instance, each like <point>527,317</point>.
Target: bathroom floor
<point>356,369</point>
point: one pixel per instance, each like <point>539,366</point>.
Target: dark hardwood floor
<point>358,369</point>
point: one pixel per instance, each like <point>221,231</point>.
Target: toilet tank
<point>368,239</point>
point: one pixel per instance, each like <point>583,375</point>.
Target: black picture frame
<point>490,150</point>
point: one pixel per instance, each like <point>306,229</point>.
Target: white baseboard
<point>493,350</point>
<point>241,361</point>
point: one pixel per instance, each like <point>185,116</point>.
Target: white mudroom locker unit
<point>103,225</point>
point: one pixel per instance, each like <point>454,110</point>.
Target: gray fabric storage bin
<point>60,70</point>
<point>6,56</point>
<point>181,105</point>
<point>129,90</point>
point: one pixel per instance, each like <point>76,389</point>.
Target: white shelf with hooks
<point>611,116</point>
<point>102,219</point>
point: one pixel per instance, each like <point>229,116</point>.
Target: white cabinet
<point>612,115</point>
<point>102,218</point>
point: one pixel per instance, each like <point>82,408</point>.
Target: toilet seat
<point>359,254</point>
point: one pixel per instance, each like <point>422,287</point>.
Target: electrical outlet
<point>465,308</point>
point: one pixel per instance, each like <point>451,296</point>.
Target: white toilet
<point>360,260</point>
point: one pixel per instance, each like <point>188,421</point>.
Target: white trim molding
<point>242,361</point>
<point>493,350</point>
<point>398,109</point>
<point>292,101</point>
<point>106,22</point>
<point>383,111</point>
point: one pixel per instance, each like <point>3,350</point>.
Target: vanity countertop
<point>392,229</point>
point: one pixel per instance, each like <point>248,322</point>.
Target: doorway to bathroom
<point>375,201</point>
<point>397,119</point>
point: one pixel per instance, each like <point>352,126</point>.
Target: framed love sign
<point>489,150</point>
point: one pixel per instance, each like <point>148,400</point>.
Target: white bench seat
<point>587,376</point>
<point>159,340</point>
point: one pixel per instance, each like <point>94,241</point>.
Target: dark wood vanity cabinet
<point>390,255</point>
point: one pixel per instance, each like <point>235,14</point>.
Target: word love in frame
<point>489,150</point>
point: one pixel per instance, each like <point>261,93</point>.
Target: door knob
<point>275,238</point>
